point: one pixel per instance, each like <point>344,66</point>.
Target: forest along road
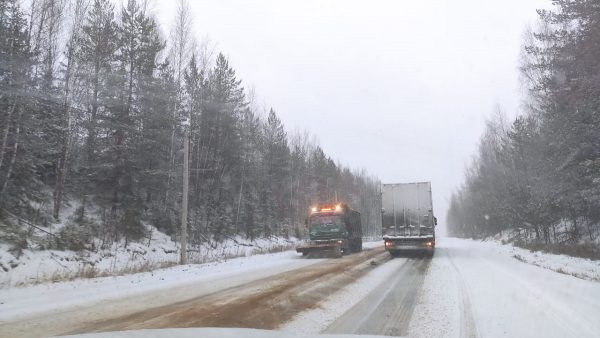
<point>387,309</point>
<point>263,303</point>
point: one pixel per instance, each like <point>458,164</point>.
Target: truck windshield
<point>326,222</point>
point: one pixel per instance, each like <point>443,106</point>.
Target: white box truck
<point>407,220</point>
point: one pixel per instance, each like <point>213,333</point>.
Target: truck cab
<point>333,227</point>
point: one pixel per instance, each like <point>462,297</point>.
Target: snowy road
<point>509,298</point>
<point>387,309</point>
<point>469,289</point>
<point>255,294</point>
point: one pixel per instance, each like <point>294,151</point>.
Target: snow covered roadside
<point>182,282</point>
<point>479,289</point>
<point>41,266</point>
<point>317,320</point>
<point>579,267</point>
<point>371,245</point>
<point>583,268</point>
<point>21,302</point>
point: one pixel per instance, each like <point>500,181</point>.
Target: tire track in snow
<point>387,310</point>
<point>467,323</point>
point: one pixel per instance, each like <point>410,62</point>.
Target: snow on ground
<point>18,302</point>
<point>39,266</point>
<point>437,313</point>
<point>317,320</point>
<point>583,268</point>
<point>24,301</point>
<point>495,295</point>
<point>371,245</point>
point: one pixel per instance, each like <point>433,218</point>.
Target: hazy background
<point>400,88</point>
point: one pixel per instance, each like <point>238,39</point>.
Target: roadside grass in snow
<point>581,260</point>
<point>573,270</point>
<point>583,250</point>
<point>562,242</point>
<point>32,267</point>
<point>86,272</point>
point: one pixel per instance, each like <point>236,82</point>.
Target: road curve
<point>388,308</point>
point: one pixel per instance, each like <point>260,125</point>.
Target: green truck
<point>334,230</point>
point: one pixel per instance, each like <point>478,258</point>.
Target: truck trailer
<point>407,219</point>
<point>334,230</point>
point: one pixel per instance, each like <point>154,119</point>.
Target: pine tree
<point>66,122</point>
<point>19,186</point>
<point>98,47</point>
<point>110,115</point>
<point>277,171</point>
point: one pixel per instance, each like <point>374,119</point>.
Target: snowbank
<point>583,268</point>
<point>21,302</point>
<point>158,251</point>
<point>579,267</point>
<point>182,281</point>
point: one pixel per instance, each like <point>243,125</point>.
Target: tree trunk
<point>169,169</point>
<point>61,168</point>
<point>14,157</point>
<point>91,142</point>
<point>59,188</point>
<point>5,135</point>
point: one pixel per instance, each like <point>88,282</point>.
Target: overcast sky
<point>400,88</point>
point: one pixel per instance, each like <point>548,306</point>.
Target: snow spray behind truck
<point>407,219</point>
<point>334,229</point>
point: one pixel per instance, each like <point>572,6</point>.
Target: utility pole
<point>184,202</point>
